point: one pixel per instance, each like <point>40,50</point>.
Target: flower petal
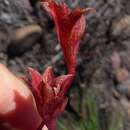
<point>36,78</point>
<point>48,76</point>
<point>70,26</point>
<point>63,82</point>
<point>58,12</point>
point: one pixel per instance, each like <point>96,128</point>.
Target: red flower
<point>70,27</point>
<point>35,104</point>
<point>49,92</point>
<point>39,102</point>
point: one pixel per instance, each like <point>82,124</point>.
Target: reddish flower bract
<point>49,92</point>
<point>70,27</point>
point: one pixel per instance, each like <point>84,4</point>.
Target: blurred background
<point>28,38</point>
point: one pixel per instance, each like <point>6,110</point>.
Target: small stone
<point>122,75</point>
<point>23,39</point>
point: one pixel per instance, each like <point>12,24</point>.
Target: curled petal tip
<point>50,68</point>
<point>33,73</point>
<point>69,76</point>
<point>48,75</point>
<point>87,10</point>
<point>35,76</point>
<point>29,69</point>
<point>48,71</point>
<point>64,82</point>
